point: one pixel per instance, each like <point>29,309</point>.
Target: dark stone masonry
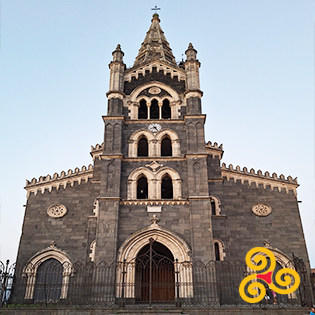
<point>156,196</point>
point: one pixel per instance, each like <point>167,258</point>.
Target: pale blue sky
<point>257,75</point>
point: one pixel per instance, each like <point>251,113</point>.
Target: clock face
<point>154,128</point>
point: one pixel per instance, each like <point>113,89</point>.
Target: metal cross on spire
<point>156,8</point>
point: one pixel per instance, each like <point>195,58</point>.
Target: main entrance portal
<point>155,275</point>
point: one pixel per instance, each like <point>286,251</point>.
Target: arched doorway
<point>154,274</point>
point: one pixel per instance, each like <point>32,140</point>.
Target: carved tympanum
<point>261,209</point>
<point>56,211</point>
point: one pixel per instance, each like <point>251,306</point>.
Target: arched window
<point>215,205</point>
<point>213,210</point>
<point>154,110</point>
<point>166,147</point>
<point>143,110</point>
<point>142,188</point>
<point>219,247</point>
<point>217,251</point>
<point>143,147</point>
<point>167,188</point>
<point>166,109</point>
<point>48,281</point>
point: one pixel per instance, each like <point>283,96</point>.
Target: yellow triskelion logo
<point>266,276</point>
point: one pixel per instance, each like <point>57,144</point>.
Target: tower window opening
<point>143,110</point>
<point>142,188</point>
<point>167,188</point>
<point>213,211</point>
<point>217,251</point>
<point>166,147</point>
<point>143,147</point>
<point>154,110</point>
<point>166,110</point>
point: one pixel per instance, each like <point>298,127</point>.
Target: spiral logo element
<point>258,263</point>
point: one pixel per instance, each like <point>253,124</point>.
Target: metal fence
<point>150,279</point>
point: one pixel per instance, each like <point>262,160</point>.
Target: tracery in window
<point>154,109</point>
<point>142,188</point>
<point>143,147</point>
<point>166,109</point>
<point>166,147</point>
<point>143,110</point>
<point>167,187</point>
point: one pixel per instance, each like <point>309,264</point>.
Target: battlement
<point>48,182</point>
<point>214,149</point>
<point>259,178</point>
<point>134,73</point>
<point>97,150</point>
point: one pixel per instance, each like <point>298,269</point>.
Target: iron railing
<point>149,280</point>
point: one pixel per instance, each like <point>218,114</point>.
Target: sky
<point>257,75</point>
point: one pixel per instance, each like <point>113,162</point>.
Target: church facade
<point>155,187</point>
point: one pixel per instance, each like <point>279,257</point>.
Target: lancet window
<point>142,188</point>
<point>166,147</point>
<point>143,110</point>
<point>218,250</point>
<point>163,184</point>
<point>167,187</point>
<point>143,147</point>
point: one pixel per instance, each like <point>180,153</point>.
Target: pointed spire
<point>155,45</point>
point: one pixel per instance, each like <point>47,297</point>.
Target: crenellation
<point>259,173</point>
<point>48,182</point>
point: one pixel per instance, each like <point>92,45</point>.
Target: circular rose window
<point>261,209</point>
<point>56,211</point>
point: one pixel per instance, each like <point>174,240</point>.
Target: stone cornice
<point>48,182</point>
<point>195,117</point>
<point>196,155</point>
<point>113,118</point>
<point>115,94</point>
<point>153,202</point>
<point>259,179</point>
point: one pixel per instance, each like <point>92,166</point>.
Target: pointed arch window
<point>166,147</point>
<point>166,109</point>
<point>217,251</point>
<point>219,247</point>
<point>167,187</point>
<point>143,110</point>
<point>143,147</point>
<point>48,281</point>
<point>154,110</point>
<point>142,188</point>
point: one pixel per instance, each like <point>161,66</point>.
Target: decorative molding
<point>259,179</point>
<point>111,94</point>
<point>48,182</point>
<point>56,211</point>
<point>154,90</point>
<point>153,202</point>
<point>154,166</point>
<point>261,209</point>
<point>194,94</point>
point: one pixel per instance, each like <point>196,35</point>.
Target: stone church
<point>155,188</point>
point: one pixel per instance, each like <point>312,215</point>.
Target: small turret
<point>116,84</point>
<point>193,93</point>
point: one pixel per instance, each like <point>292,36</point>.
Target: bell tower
<point>154,157</point>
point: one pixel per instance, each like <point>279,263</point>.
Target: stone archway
<point>132,248</point>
